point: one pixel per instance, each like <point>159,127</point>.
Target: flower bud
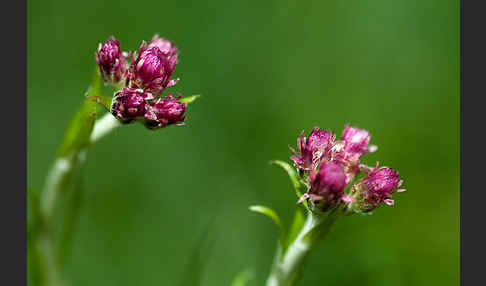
<point>348,151</point>
<point>327,185</point>
<point>152,69</point>
<point>165,111</point>
<point>111,61</point>
<point>356,141</point>
<point>312,149</point>
<point>375,188</point>
<point>164,45</point>
<point>130,104</point>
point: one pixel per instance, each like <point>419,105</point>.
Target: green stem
<point>57,182</point>
<point>103,126</point>
<point>53,236</point>
<point>287,267</point>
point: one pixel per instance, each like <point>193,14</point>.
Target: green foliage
<point>102,100</point>
<point>268,212</point>
<point>243,277</point>
<point>299,186</point>
<point>190,99</point>
<point>78,133</point>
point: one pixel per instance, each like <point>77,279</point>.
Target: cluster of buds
<point>328,166</point>
<point>140,78</point>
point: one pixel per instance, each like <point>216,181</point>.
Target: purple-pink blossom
<point>328,166</point>
<point>129,104</point>
<point>111,61</point>
<point>152,69</point>
<point>327,185</point>
<point>355,141</point>
<point>164,45</point>
<point>311,149</point>
<point>165,111</point>
<point>375,188</point>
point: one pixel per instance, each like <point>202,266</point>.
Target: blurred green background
<point>266,70</point>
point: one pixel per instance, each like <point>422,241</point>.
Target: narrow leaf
<point>243,277</point>
<point>273,216</point>
<point>79,130</point>
<point>190,99</point>
<point>103,100</point>
<point>299,187</point>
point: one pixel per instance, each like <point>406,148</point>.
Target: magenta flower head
<point>165,46</point>
<point>152,69</point>
<point>111,61</point>
<point>327,185</point>
<point>375,188</point>
<point>356,142</point>
<point>165,111</point>
<point>130,104</point>
<point>312,149</point>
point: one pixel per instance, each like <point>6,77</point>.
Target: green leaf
<point>78,133</point>
<point>295,228</point>
<point>273,216</point>
<point>190,99</point>
<point>243,277</point>
<point>299,187</point>
<point>79,130</point>
<point>103,100</point>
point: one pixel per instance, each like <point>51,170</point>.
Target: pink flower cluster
<point>142,77</point>
<point>329,165</point>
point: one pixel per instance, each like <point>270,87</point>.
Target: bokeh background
<point>267,70</point>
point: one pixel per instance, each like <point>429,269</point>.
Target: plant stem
<point>103,126</point>
<point>57,182</point>
<point>63,167</point>
<point>287,267</point>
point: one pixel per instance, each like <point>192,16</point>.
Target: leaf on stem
<point>78,134</point>
<point>190,99</point>
<point>299,187</point>
<point>243,277</point>
<point>79,130</point>
<point>273,216</point>
<point>103,100</point>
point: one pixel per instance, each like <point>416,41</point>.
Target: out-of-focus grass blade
<point>190,99</point>
<point>273,216</point>
<point>198,258</point>
<point>299,187</point>
<point>243,277</point>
